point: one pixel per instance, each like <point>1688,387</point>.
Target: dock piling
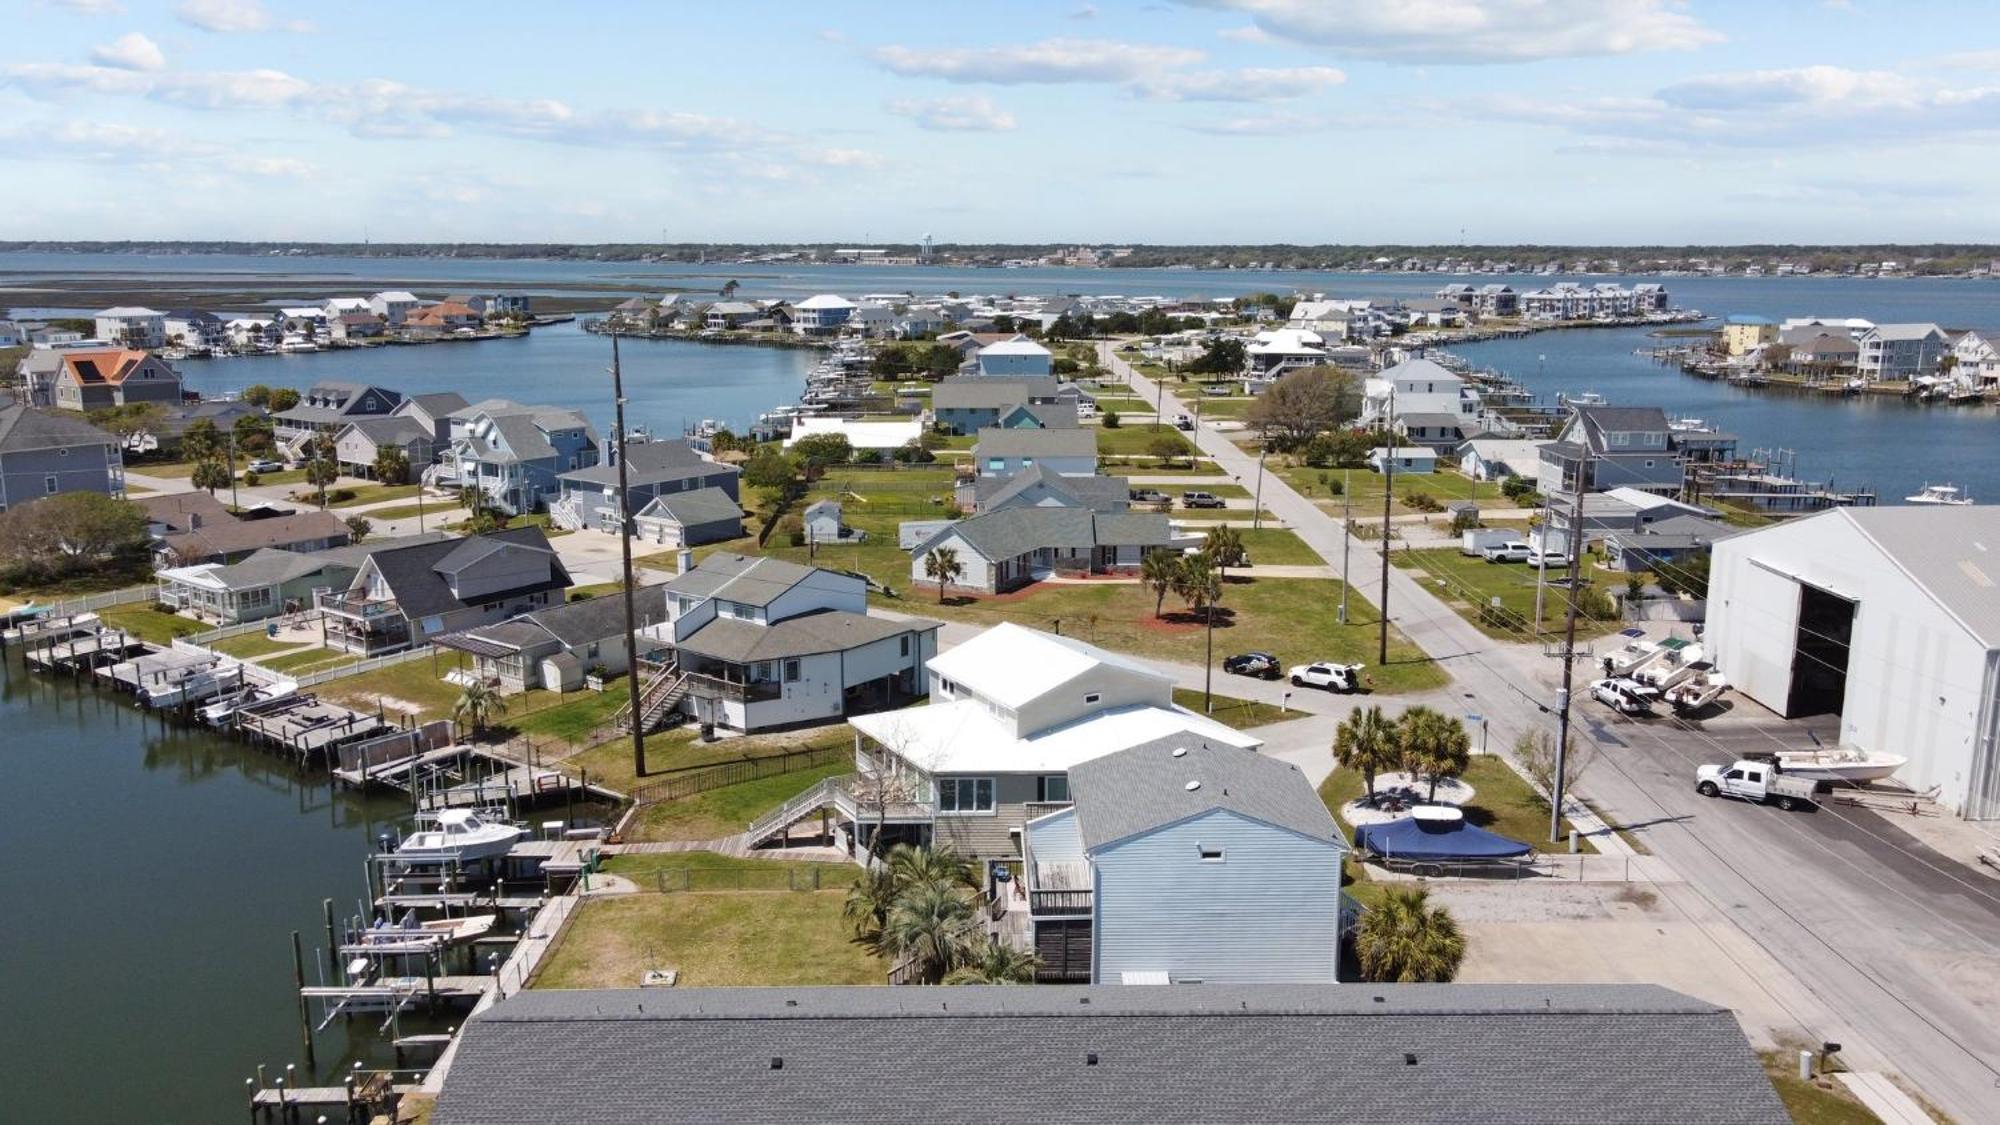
<point>305,1008</point>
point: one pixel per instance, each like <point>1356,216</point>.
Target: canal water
<point>153,875</point>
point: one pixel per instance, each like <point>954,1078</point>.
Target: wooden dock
<point>85,652</point>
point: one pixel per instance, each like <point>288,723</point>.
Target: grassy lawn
<point>1129,440</point>
<point>252,645</point>
<point>1470,583</point>
<point>414,683</point>
<point>749,938</point>
<point>1275,546</point>
<point>310,660</point>
<point>1822,1101</point>
<point>1126,467</point>
<point>1366,486</point>
<point>148,622</point>
<point>1239,713</point>
<point>169,470</point>
<point>376,493</point>
<point>567,717</point>
<point>699,871</point>
<point>282,476</point>
<point>728,810</point>
<point>1210,515</point>
<point>1502,802</point>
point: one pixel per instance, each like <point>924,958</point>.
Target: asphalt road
<point>1892,950</point>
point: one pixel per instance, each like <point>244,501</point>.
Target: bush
<point>1111,419</point>
<point>1422,502</point>
<point>339,495</point>
<point>1464,521</point>
<point>792,530</point>
<point>1514,488</point>
<point>250,479</point>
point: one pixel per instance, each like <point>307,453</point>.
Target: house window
<point>965,794</point>
<point>1053,787</point>
<point>903,645</point>
<point>791,671</point>
<point>996,464</point>
<point>49,484</point>
<point>1093,697</point>
<point>1208,854</point>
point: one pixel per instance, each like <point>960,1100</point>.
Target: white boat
<point>1852,767</point>
<point>1939,494</point>
<point>194,684</point>
<point>460,835</point>
<point>1628,657</point>
<point>44,628</point>
<point>412,936</point>
<point>221,711</point>
<point>1702,686</point>
<point>1675,662</point>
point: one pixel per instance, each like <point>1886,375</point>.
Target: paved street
<point>1886,946</point>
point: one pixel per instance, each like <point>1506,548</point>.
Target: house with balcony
<point>555,648</point>
<point>99,380</point>
<point>1011,712</point>
<point>1901,351</point>
<point>965,404</point>
<point>1626,447</point>
<point>132,327</point>
<point>393,305</point>
<point>1183,860</point>
<point>653,470</point>
<point>361,441</point>
<point>327,408</point>
<point>821,315</point>
<point>1419,387</point>
<point>515,455</point>
<point>1015,357</point>
<point>433,412</point>
<point>42,454</point>
<point>762,644</point>
<point>407,596</point>
<point>269,583</point>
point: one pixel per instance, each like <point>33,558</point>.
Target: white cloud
<point>94,7</point>
<point>1276,124</point>
<point>1255,84</point>
<point>159,149</point>
<point>1051,60</point>
<point>840,158</point>
<point>1248,33</point>
<point>954,115</point>
<point>1812,86</point>
<point>233,16</point>
<point>1477,31</point>
<point>131,51</point>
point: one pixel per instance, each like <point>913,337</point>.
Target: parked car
<point>1539,559</point>
<point>1624,696</point>
<point>1148,496</point>
<point>1506,552</point>
<point>1086,410</point>
<point>1332,677</point>
<point>1201,500</point>
<point>1218,390</point>
<point>265,465</point>
<point>1184,422</point>
<point>1262,665</point>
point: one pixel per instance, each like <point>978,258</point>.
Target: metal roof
<point>1381,1053</point>
<point>1170,779</point>
<point>750,579</point>
<point>828,630</point>
<point>1949,550</point>
<point>996,442</point>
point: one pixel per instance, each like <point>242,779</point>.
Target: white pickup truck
<point>1762,782</point>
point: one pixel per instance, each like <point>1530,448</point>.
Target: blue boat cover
<point>1410,838</point>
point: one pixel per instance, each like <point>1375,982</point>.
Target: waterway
<point>153,877</point>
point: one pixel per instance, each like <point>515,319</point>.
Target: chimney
<point>194,520</point>
<point>683,561</point>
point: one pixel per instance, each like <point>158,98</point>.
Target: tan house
<point>99,380</point>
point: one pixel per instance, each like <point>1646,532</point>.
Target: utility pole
<point>625,550</point>
<point>1257,502</point>
<point>1542,570</point>
<point>1346,536</point>
<point>233,502</point>
<point>1388,499</point>
<point>1573,539</point>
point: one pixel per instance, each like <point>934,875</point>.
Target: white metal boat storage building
<point>1888,617</point>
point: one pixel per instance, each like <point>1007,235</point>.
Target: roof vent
<point>1409,1058</point>
<point>778,1063</point>
<point>1090,1058</point>
<point>791,1003</point>
<point>1193,785</point>
<point>1180,751</point>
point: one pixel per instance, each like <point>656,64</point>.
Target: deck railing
<point>1043,904</point>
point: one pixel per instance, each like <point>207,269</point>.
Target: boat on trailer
<point>1845,766</point>
<point>1630,656</point>
<point>1674,663</point>
<point>1702,686</point>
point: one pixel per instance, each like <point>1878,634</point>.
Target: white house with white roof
<point>1417,386</point>
<point>1274,350</point>
<point>1011,711</point>
<point>393,305</point>
<point>132,327</point>
<point>821,315</point>
<point>1017,356</point>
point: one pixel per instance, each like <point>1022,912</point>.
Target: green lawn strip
<point>166,470</point>
<point>1275,546</point>
<point>712,939</point>
<point>1821,1101</point>
<point>707,871</point>
<point>1241,714</point>
<point>1197,515</point>
<point>377,493</point>
<point>567,718</point>
<point>413,682</point>
<point>252,645</point>
<point>1502,802</point>
<point>728,810</point>
<point>1128,467</point>
<point>435,515</point>
<point>150,622</point>
<point>1366,486</point>
<point>1470,583</point>
<point>282,476</point>
<point>310,660</point>
<point>1128,440</point>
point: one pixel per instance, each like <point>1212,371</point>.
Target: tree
<point>996,963</point>
<point>818,451</point>
<point>1303,404</point>
<point>1224,547</point>
<point>71,532</point>
<point>130,420</point>
<point>253,433</point>
<point>730,287</point>
<point>1435,745</point>
<point>201,440</point>
<point>257,394</point>
<point>1689,576</point>
<point>1112,420</point>
<point>321,468</point>
<point>478,705</point>
<point>282,399</point>
<point>1167,447</point>
<point>1368,742</point>
<point>1197,582</point>
<point>1536,752</point>
<point>392,465</point>
<point>1224,355</point>
<point>929,927</point>
<point>1516,488</point>
<point>941,566</point>
<point>869,901</point>
<point>768,468</point>
<point>359,527</point>
<point>210,474</point>
<point>1406,940</point>
<point>1160,572</point>
<point>936,866</point>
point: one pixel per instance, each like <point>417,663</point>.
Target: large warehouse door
<point>1819,656</point>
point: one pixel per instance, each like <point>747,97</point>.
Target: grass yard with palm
<point>713,939</point>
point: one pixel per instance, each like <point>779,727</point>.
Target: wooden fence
<point>701,779</point>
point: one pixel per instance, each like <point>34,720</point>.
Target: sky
<point>1201,121</point>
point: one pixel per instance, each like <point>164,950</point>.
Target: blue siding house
<point>1182,861</point>
<point>515,455</point>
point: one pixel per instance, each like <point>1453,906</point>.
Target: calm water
<point>153,877</point>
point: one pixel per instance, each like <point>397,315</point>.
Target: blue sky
<point>1568,121</point>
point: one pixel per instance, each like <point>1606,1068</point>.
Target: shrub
<point>1111,419</point>
<point>792,530</point>
<point>1464,521</point>
<point>250,479</point>
<point>1422,502</point>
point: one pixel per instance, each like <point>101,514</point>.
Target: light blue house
<point>515,455</point>
<point>1182,861</point>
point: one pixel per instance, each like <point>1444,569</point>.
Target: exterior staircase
<point>827,792</point>
<point>661,689</point>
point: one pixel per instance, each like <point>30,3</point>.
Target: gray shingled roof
<point>996,442</point>
<point>654,462</point>
<point>830,630</point>
<point>1048,415</point>
<point>437,404</point>
<point>990,392</point>
<point>1482,1054</point>
<point>23,428</point>
<point>750,579</point>
<point>1016,531</point>
<point>392,429</point>
<point>697,506</point>
<point>420,588</point>
<point>1142,788</point>
<point>571,624</point>
<point>1104,494</point>
<point>228,536</point>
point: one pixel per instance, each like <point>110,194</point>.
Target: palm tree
<point>210,474</point>
<point>1223,546</point>
<point>478,705</point>
<point>1435,745</point>
<point>1406,940</point>
<point>928,927</point>
<point>1197,582</point>
<point>392,465</point>
<point>996,963</point>
<point>1159,571</point>
<point>938,866</point>
<point>1367,741</point>
<point>869,901</point>
<point>941,565</point>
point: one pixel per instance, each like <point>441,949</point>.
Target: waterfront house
<point>687,519</point>
<point>1015,357</point>
<point>337,307</point>
<point>189,531</point>
<point>269,582</point>
<point>1441,432</point>
<point>1976,359</point>
<point>356,326</point>
<point>1431,312</point>
<point>406,596</point>
<point>42,454</point>
<point>1627,446</point>
<point>1272,352</point>
<point>1040,487</point>
<point>1404,459</point>
<point>361,441</point>
<point>1003,452</point>
<point>1327,319</point>
<point>393,305</point>
<point>1184,860</point>
<point>1492,459</point>
<point>964,404</point>
<point>556,647</point>
<point>821,315</point>
<point>878,438</point>
<point>1818,350</point>
<point>1489,300</point>
<point>1418,386</point>
<point>1006,549</point>
<point>327,407</point>
<point>1012,710</point>
<point>10,334</point>
<point>132,327</point>
<point>194,328</point>
<point>1742,335</point>
<point>654,469</point>
<point>515,455</point>
<point>42,334</point>
<point>98,380</point>
<point>433,412</point>
<point>730,314</point>
<point>1901,351</point>
<point>766,644</point>
<point>445,316</point>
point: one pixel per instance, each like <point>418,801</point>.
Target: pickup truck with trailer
<point>1758,781</point>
